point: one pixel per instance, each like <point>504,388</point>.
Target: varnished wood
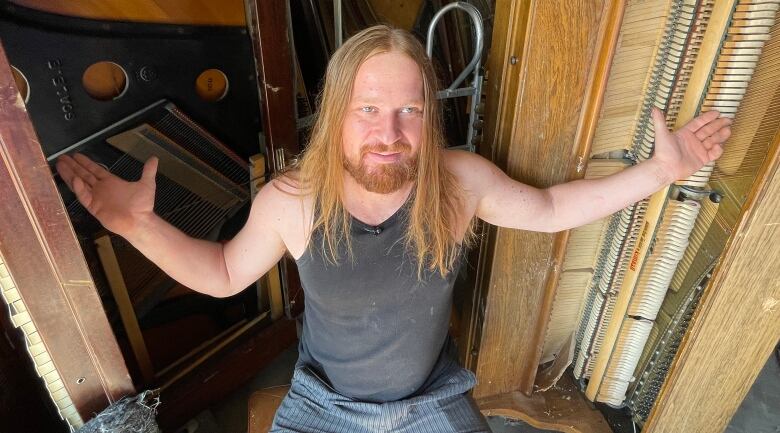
<point>116,281</point>
<point>274,59</point>
<point>597,86</point>
<point>200,12</point>
<point>537,123</point>
<point>224,373</point>
<point>501,83</point>
<point>561,408</point>
<point>262,407</point>
<point>38,244</point>
<point>273,54</point>
<point>737,324</point>
<point>583,141</point>
<point>708,55</point>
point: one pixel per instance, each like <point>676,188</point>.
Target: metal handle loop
<point>476,19</point>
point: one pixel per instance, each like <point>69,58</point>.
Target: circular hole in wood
<point>211,85</point>
<point>21,83</point>
<point>104,81</point>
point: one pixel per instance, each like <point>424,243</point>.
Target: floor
<point>759,412</point>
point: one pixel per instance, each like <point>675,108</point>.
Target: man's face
<point>383,123</point>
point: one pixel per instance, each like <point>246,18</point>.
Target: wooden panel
<point>534,141</point>
<point>273,58</point>
<point>262,407</point>
<point>224,373</point>
<point>720,358</point>
<point>202,12</point>
<point>46,264</point>
<point>561,408</point>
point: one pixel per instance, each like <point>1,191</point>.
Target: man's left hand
<point>688,149</point>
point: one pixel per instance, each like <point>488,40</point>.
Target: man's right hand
<point>216,269</point>
<point>119,205</point>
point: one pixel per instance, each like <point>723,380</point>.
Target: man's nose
<point>388,129</point>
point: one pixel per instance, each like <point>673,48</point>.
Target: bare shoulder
<point>286,207</point>
<point>474,172</point>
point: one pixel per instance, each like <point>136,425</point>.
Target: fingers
<point>150,170</point>
<point>79,167</point>
<point>701,120</point>
<point>84,174</point>
<point>83,193</point>
<point>715,152</point>
<point>713,128</point>
<point>717,138</point>
<point>63,165</point>
<point>70,170</point>
<point>90,165</point>
<point>67,168</point>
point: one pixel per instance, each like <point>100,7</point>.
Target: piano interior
<point>627,296</point>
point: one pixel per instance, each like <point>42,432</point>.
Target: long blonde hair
<point>437,197</point>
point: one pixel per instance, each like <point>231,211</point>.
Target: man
<point>376,214</point>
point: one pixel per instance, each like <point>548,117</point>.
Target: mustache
<point>398,146</point>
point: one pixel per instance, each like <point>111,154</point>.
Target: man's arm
<point>126,208</point>
<point>508,203</point>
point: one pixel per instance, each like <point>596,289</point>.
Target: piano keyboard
<point>44,366</point>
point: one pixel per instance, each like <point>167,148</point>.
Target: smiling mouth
<point>384,157</point>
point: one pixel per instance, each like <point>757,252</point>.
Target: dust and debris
<point>129,415</point>
<point>10,97</point>
<point>580,164</point>
<point>272,88</point>
<point>769,304</point>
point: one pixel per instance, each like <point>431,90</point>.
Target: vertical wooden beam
<point>274,62</point>
<point>116,281</point>
<point>45,262</point>
<point>737,324</point>
<point>543,92</point>
<point>269,27</point>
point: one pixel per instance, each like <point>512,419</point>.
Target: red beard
<point>384,178</point>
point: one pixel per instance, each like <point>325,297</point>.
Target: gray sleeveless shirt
<point>371,329</point>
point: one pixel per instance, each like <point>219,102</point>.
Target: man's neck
<point>371,207</point>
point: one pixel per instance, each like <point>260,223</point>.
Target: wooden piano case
<point>547,81</point>
<point>548,70</point>
<point>52,295</point>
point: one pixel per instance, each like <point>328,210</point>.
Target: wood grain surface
<point>538,102</point>
<point>737,324</point>
<point>45,261</point>
<point>561,408</point>
<point>200,12</point>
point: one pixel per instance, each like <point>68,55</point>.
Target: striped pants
<point>312,406</point>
